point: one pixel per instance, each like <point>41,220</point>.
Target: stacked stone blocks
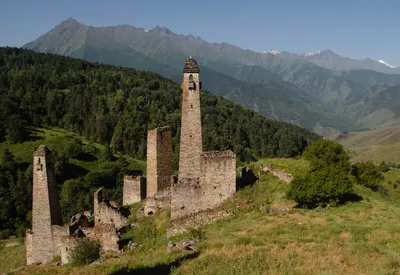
<point>134,190</point>
<point>159,162</point>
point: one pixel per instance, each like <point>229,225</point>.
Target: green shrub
<point>328,182</point>
<point>86,251</point>
<point>321,188</point>
<point>367,174</point>
<point>383,167</point>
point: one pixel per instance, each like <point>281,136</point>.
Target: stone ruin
<point>286,177</point>
<point>49,237</point>
<point>205,180</point>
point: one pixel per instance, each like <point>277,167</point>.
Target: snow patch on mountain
<point>385,63</point>
<point>311,54</point>
<point>272,52</point>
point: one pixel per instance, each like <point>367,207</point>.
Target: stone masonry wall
<point>219,176</point>
<point>134,189</point>
<point>159,162</point>
<point>105,213</point>
<point>286,177</point>
<point>216,184</point>
<point>59,234</point>
<point>187,197</point>
<point>191,139</point>
<point>45,208</point>
<point>160,200</point>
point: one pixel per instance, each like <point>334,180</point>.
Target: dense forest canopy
<point>115,107</point>
<point>118,105</point>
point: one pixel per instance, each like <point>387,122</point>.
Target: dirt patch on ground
<point>345,235</point>
<point>13,243</point>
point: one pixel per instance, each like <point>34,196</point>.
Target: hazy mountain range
<point>322,91</point>
<point>330,60</point>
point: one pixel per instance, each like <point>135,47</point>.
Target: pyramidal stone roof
<point>42,150</point>
<point>191,66</point>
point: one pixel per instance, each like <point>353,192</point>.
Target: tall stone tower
<point>46,210</point>
<point>159,160</point>
<point>191,141</point>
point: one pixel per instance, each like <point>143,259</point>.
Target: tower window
<point>190,77</point>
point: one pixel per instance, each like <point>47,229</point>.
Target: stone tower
<point>191,141</point>
<point>46,210</point>
<point>159,160</point>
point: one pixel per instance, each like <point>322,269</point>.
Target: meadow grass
<point>23,152</point>
<point>12,257</point>
<point>355,238</point>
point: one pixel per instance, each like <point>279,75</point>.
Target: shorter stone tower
<point>41,242</point>
<point>159,163</point>
<point>134,189</point>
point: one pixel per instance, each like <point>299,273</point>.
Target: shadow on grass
<point>247,178</point>
<point>160,269</point>
<point>352,197</point>
<point>349,197</point>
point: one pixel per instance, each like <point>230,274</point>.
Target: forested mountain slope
<point>225,68</point>
<point>118,105</point>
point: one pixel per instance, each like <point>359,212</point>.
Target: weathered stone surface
<point>45,209</point>
<point>131,245</point>
<point>107,235</point>
<point>286,177</point>
<point>182,245</point>
<point>78,221</point>
<point>191,139</point>
<point>134,190</point>
<point>159,201</point>
<point>159,161</point>
<point>106,213</point>
<point>216,184</point>
<point>68,244</point>
<point>191,66</point>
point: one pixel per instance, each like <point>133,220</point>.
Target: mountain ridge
<point>227,70</point>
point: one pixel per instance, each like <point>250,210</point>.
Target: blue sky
<point>353,28</point>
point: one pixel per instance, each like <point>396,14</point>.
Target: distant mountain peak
<point>385,63</point>
<point>161,30</point>
<point>68,21</point>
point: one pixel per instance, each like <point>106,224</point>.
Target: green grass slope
<point>356,238</point>
<point>55,137</point>
<point>381,144</point>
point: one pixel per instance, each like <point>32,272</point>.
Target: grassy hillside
<point>59,138</point>
<point>381,144</point>
<point>357,238</point>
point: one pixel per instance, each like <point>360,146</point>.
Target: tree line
<point>118,105</point>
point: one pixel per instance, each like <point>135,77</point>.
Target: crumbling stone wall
<point>160,200</point>
<point>159,162</point>
<point>107,235</point>
<point>191,139</point>
<point>45,209</point>
<point>105,213</point>
<point>59,233</point>
<point>216,184</point>
<point>286,177</point>
<point>134,189</point>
